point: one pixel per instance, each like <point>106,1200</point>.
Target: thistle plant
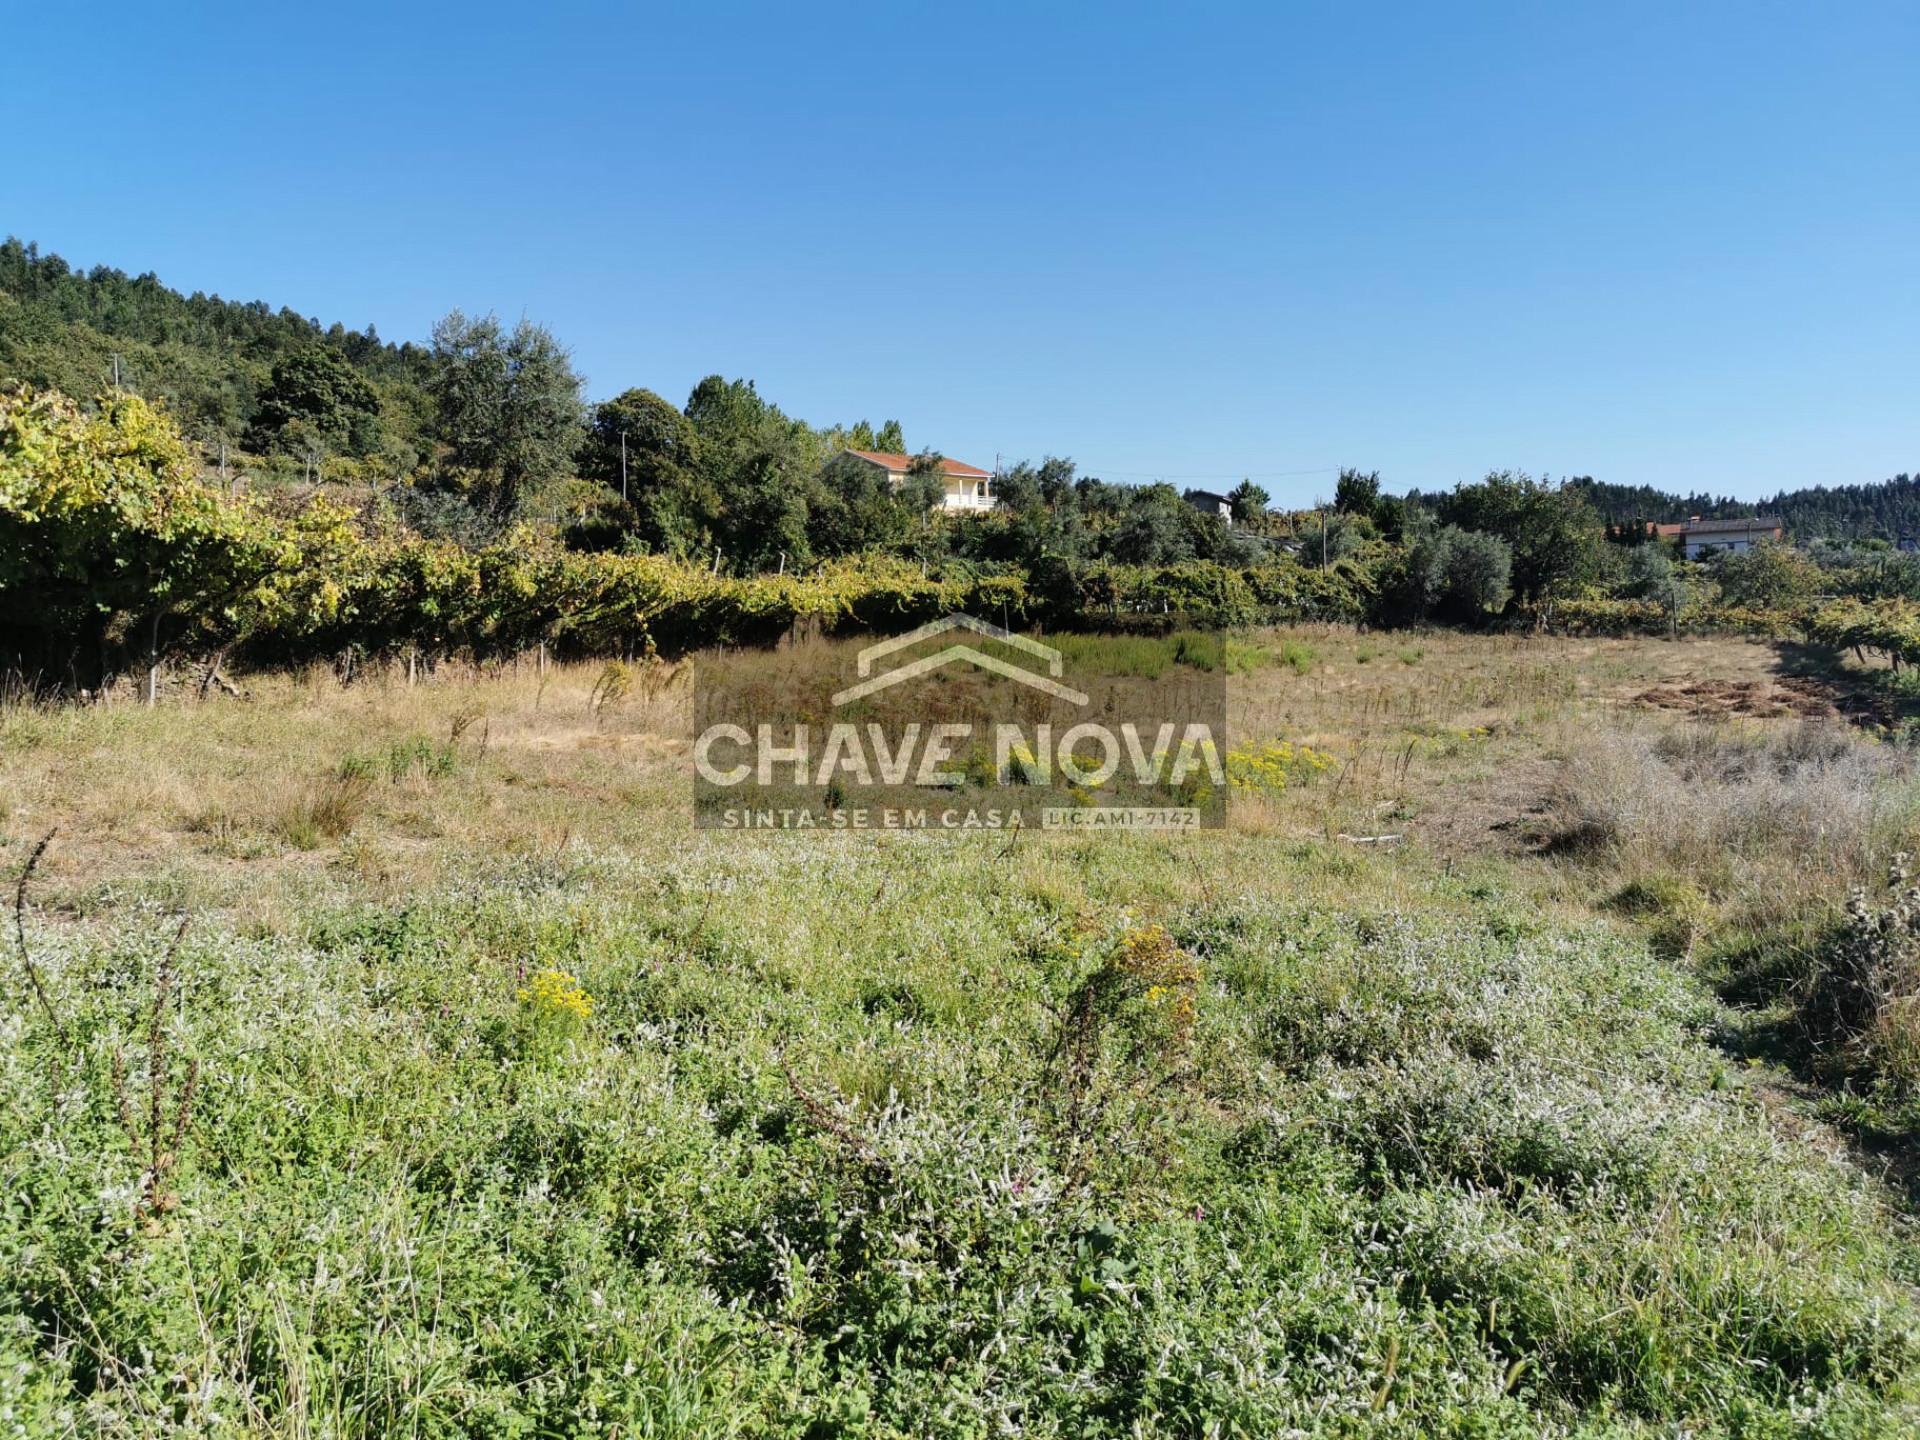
<point>1865,994</point>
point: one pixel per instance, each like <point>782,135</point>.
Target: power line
<point>1102,471</point>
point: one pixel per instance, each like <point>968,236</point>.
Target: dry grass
<point>327,810</point>
<point>1460,744</point>
<point>1713,800</point>
<point>1456,742</point>
<point>305,777</point>
<point>1751,830</point>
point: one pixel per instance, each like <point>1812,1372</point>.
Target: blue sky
<point>1670,244</point>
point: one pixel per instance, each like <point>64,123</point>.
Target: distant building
<point>967,487</point>
<point>1208,503</point>
<point>1699,537</point>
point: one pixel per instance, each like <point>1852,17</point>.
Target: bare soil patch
<point>1500,814</point>
<point>1767,699</point>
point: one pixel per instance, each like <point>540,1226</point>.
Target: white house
<point>1209,503</point>
<point>1699,537</point>
<point>967,487</point>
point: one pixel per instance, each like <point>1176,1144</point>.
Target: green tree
<point>1477,572</point>
<point>1018,489</point>
<point>1649,573</point>
<point>1555,535</point>
<point>1249,502</point>
<point>1356,492</point>
<point>732,417</point>
<point>506,408</point>
<point>639,444</point>
<point>927,479</point>
<point>925,488</point>
<point>764,468</point>
<point>1767,577</point>
<point>1389,517</point>
<point>858,508</point>
<point>658,443</point>
<point>1455,574</point>
<point>764,514</point>
<point>314,395</point>
<point>1056,482</point>
<point>1154,530</point>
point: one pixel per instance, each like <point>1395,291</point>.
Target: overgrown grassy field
<point>1461,1087</point>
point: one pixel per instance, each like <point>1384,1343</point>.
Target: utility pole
<point>116,372</point>
<point>1323,533</point>
<point>623,467</point>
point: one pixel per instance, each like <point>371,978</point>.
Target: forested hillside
<point>211,361</point>
<point>256,481</point>
<point>289,397</point>
<point>487,426</point>
<point>1884,510</point>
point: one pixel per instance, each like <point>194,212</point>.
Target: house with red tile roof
<point>966,487</point>
<point>1695,537</point>
<point>1699,537</point>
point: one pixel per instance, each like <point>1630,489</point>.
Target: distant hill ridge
<point>1883,510</point>
<point>208,360</point>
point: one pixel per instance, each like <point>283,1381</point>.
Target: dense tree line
<point>486,426</point>
<point>1884,510</point>
<point>484,433</point>
<point>117,555</point>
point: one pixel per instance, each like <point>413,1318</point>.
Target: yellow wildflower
<point>556,993</point>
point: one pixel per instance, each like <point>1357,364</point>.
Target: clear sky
<point>1676,244</point>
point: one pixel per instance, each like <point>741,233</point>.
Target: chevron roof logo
<point>1046,654</point>
<point>962,724</point>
